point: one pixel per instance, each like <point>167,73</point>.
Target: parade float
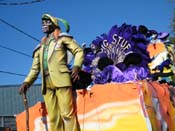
<point>131,86</point>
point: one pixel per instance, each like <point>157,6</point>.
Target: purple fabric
<point>109,74</point>
<point>98,77</point>
<point>87,69</point>
<point>163,35</point>
<point>167,63</point>
<point>133,73</point>
<point>113,74</point>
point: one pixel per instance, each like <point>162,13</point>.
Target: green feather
<point>66,24</point>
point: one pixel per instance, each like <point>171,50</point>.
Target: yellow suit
<point>58,93</point>
<point>57,61</point>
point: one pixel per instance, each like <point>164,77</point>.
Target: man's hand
<point>75,73</point>
<point>23,88</point>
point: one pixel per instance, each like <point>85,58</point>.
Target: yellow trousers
<point>61,109</point>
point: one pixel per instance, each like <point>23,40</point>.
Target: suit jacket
<point>57,61</point>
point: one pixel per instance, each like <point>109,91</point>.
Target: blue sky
<point>87,19</point>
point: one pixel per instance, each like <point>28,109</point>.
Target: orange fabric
<point>167,110</point>
<point>111,107</point>
<point>155,48</point>
<point>162,94</point>
<point>171,111</point>
<point>105,104</point>
<point>148,94</point>
<point>169,119</point>
<point>107,93</point>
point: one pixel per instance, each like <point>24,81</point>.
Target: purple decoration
<point>167,63</point>
<point>116,45</point>
<point>110,74</point>
<point>133,73</point>
<point>113,74</point>
<point>99,77</point>
<point>163,35</point>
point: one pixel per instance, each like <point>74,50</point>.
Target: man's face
<point>47,26</point>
